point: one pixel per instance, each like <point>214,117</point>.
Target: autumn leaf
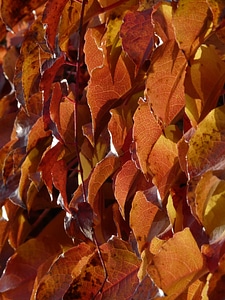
<point>201,98</point>
<point>142,215</point>
<point>119,261</point>
<point>22,268</point>
<point>194,32</point>
<point>164,87</point>
<point>138,47</point>
<point>187,263</point>
<point>144,137</point>
<point>59,277</point>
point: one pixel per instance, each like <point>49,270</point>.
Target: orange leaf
<point>101,172</point>
<point>163,161</point>
<point>177,264</point>
<point>101,97</point>
<point>142,215</point>
<point>58,279</point>
<point>123,183</point>
<point>164,87</point>
<point>191,23</point>
<point>146,131</point>
<point>162,20</point>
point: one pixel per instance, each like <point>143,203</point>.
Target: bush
<point>112,124</point>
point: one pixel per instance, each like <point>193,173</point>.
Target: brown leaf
<point>58,279</point>
<point>164,87</point>
<point>11,14</point>
<point>122,266</point>
<point>23,266</point>
<point>138,47</point>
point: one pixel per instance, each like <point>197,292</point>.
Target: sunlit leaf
<point>191,22</point>
<point>210,199</point>
<point>218,8</point>
<point>142,215</point>
<point>146,131</point>
<point>201,98</point>
<point>187,263</point>
<point>206,147</point>
<point>164,87</point>
<point>163,161</point>
<point>30,62</point>
<point>102,97</point>
<point>162,20</point>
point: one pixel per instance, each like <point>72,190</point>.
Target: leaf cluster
<point>112,157</point>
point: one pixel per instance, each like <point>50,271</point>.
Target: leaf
<point>210,199</point>
<point>164,87</point>
<point>218,8</point>
<point>142,215</point>
<point>58,279</point>
<point>101,172</point>
<point>51,17</point>
<point>123,183</point>
<point>121,264</point>
<point>163,161</point>
<point>146,131</point>
<point>191,22</point>
<point>102,97</point>
<point>46,165</point>
<point>188,264</point>
<point>11,14</point>
<point>59,178</point>
<point>138,47</point>
<point>206,149</point>
<point>70,20</point>
<point>22,267</point>
<point>119,127</point>
<point>30,62</point>
<point>162,20</point>
<point>201,98</point>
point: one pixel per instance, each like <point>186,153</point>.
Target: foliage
<point>112,125</point>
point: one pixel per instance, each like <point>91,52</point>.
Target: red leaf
<point>22,267</point>
<point>51,16</point>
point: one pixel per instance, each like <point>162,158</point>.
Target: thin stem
<point>78,64</point>
<point>102,263</point>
